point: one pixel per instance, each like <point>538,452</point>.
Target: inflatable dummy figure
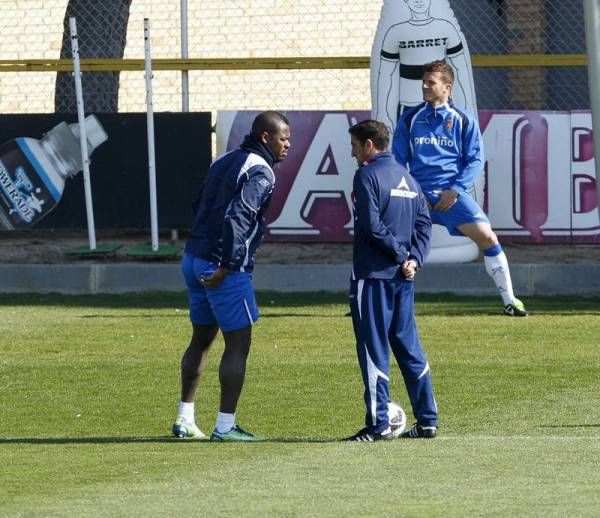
<point>410,34</point>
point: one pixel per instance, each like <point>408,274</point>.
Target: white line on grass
<point>514,437</point>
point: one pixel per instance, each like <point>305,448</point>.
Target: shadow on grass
<point>570,426</point>
<point>186,316</point>
<point>157,439</point>
<point>300,315</point>
<point>162,300</point>
<point>454,305</point>
<point>439,304</point>
<point>153,316</point>
<point>151,300</point>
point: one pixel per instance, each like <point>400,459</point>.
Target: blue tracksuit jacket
<point>441,146</point>
<point>229,212</point>
<point>391,219</point>
<point>391,224</point>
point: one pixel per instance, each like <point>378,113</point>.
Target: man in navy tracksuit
<point>217,266</point>
<point>391,241</point>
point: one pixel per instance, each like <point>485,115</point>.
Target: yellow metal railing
<point>331,62</point>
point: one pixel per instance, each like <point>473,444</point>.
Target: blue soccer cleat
<point>236,434</point>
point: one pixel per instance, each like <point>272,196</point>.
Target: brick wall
<point>32,29</point>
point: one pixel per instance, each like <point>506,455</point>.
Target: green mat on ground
<point>145,251</point>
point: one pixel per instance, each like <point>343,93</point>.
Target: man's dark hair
<point>269,121</point>
<point>443,68</point>
<point>376,131</point>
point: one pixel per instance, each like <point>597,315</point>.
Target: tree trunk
<point>102,30</point>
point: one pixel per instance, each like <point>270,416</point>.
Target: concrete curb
<point>461,279</point>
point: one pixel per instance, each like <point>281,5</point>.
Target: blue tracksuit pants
<point>383,317</point>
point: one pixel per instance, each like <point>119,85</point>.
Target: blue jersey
<point>391,219</point>
<point>229,212</point>
<point>441,146</point>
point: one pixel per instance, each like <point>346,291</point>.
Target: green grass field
<point>89,389</point>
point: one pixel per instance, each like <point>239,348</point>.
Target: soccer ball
<point>397,418</point>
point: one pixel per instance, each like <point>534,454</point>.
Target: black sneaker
<point>516,309</point>
<point>420,432</point>
<point>365,436</point>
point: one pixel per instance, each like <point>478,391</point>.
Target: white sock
<point>497,269</point>
<point>225,422</point>
<point>186,412</point>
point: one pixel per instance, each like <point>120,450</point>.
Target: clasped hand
<point>409,269</point>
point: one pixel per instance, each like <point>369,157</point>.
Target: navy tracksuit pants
<point>383,318</point>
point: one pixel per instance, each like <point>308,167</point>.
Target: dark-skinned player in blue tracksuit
<point>217,266</point>
<point>392,229</point>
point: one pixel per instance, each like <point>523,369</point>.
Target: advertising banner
<point>40,161</point>
<point>540,176</point>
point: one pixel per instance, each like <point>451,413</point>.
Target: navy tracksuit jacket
<point>229,221</point>
<point>391,225</point>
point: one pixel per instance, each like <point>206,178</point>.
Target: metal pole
<point>82,135</point>
<point>591,10</point>
<point>150,126</point>
<point>185,84</point>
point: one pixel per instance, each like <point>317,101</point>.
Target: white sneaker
<point>184,430</point>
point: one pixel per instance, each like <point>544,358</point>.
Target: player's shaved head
<point>270,122</point>
<point>443,68</point>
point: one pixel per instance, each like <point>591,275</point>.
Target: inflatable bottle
<point>410,34</point>
<point>33,172</point>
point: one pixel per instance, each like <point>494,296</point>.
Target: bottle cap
<point>94,132</point>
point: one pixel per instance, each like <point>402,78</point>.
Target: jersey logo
<point>436,141</point>
<point>448,123</point>
<point>403,184</point>
<point>403,190</point>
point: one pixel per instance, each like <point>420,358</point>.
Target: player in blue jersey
<point>443,149</point>
<point>391,240</point>
<point>217,266</point>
